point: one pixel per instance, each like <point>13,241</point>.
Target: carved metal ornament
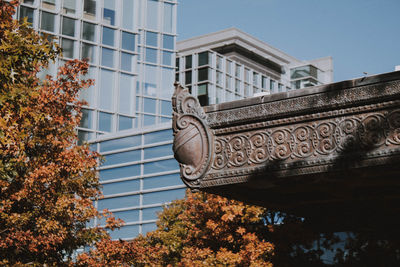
<point>192,139</point>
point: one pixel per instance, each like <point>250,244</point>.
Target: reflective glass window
<point>121,187</point>
<point>228,67</point>
<point>168,17</point>
<point>68,26</point>
<point>108,36</point>
<point>127,17</point>
<point>122,157</point>
<point>118,202</point>
<point>69,6</point>
<point>49,4</point>
<point>149,105</point>
<point>109,12</point>
<point>167,87</point>
<point>106,89</point>
<point>160,136</point>
<point>105,121</point>
<point>107,57</point>
<point>126,142</point>
<point>151,39</point>
<point>203,59</point>
<point>125,123</point>
<point>87,118</point>
<point>30,2</point>
<point>120,172</point>
<point>149,120</point>
<point>166,108</point>
<point>161,166</point>
<point>89,9</point>
<point>272,85</point>
<point>167,58</point>
<point>151,55</point>
<point>162,181</point>
<point>67,47</point>
<point>188,62</point>
<point>151,213</point>
<point>127,231</point>
<point>163,196</point>
<point>88,31</point>
<point>157,151</point>
<point>128,41</point>
<point>88,94</point>
<point>126,94</point>
<point>47,21</point>
<point>202,74</point>
<point>148,227</point>
<point>128,215</point>
<point>152,14</point>
<point>151,73</point>
<point>165,120</point>
<point>26,12</point>
<point>168,42</point>
<point>88,52</point>
<point>127,62</point>
<point>188,77</point>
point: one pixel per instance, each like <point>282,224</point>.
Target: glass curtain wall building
<point>130,46</point>
<point>230,65</point>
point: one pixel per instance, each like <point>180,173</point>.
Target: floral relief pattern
<point>324,138</point>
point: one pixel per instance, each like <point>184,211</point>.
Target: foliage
<point>47,183</point>
<point>201,230</point>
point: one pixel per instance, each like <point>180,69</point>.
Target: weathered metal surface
<point>321,144</point>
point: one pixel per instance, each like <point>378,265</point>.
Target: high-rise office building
<point>131,49</point>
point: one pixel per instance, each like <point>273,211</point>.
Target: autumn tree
<point>47,182</point>
<point>200,230</point>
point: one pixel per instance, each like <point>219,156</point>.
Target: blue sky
<point>360,35</point>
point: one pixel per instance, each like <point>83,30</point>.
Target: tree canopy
<point>47,182</point>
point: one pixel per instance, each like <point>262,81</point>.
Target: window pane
<point>105,122</point>
<point>69,6</point>
<point>163,196</point>
<point>152,14</point>
<point>118,202</point>
<point>167,87</point>
<point>168,42</point>
<point>188,77</point>
<point>127,17</point>
<point>89,9</point>
<point>151,80</point>
<point>188,62</point>
<point>168,17</point>
<point>151,39</point>
<point>47,22</point>
<point>126,94</point>
<point>106,89</point>
<point>149,105</point>
<point>127,216</point>
<point>125,123</point>
<point>203,58</point>
<point>109,12</point>
<point>88,52</point>
<point>87,118</point>
<point>158,151</point>
<point>203,74</point>
<point>126,142</point>
<point>149,120</point>
<point>150,213</point>
<point>88,94</point>
<point>26,12</point>
<point>107,57</point>
<point>166,108</point>
<point>121,187</point>
<point>120,172</point>
<point>168,58</point>
<point>122,157</point>
<point>49,4</point>
<point>68,26</point>
<point>108,36</point>
<point>68,48</point>
<point>88,31</point>
<point>162,181</point>
<point>148,227</point>
<point>161,166</point>
<point>127,231</point>
<point>151,55</point>
<point>127,62</point>
<point>128,41</point>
